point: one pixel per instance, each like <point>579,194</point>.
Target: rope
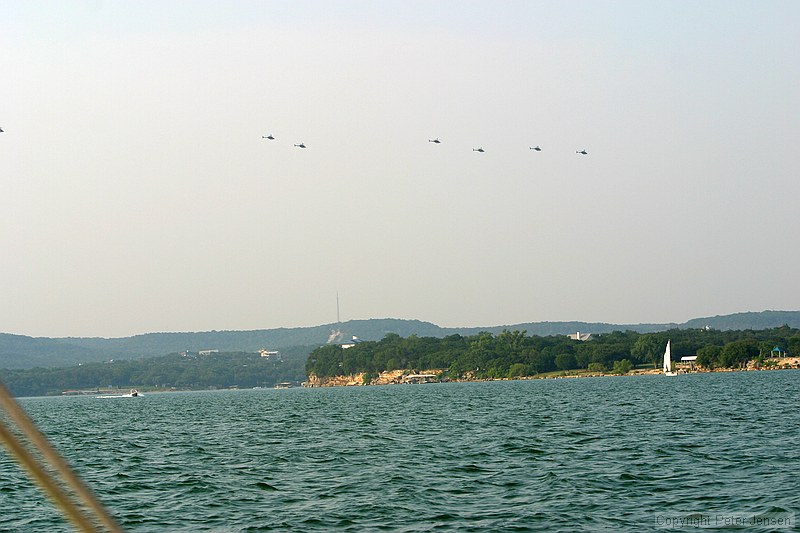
<point>63,486</point>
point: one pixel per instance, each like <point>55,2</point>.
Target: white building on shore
<point>578,336</point>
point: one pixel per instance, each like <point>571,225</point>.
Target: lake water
<point>615,454</point>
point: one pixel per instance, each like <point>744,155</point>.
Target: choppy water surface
<point>543,455</point>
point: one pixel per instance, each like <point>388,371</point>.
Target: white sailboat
<point>668,361</point>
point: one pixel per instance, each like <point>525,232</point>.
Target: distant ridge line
<point>19,351</point>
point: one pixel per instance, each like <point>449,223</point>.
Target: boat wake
<point>132,394</point>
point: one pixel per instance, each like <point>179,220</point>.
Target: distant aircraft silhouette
<point>1,130</point>
<point>478,149</point>
<point>582,152</point>
<point>536,148</point>
<point>301,145</point>
<point>270,137</point>
<point>436,140</point>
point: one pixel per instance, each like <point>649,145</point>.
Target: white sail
<point>668,359</point>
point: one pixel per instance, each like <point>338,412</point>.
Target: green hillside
<point>190,371</point>
<point>18,351</point>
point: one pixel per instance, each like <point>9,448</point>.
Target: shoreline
<point>398,377</point>
<point>401,377</point>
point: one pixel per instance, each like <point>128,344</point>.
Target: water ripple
<point>601,454</point>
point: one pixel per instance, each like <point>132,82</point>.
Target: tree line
<point>483,356</point>
<point>216,370</point>
<point>514,353</point>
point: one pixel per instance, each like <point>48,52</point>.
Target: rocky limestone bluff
<point>389,377</point>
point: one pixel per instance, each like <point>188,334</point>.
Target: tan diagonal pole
<point>91,516</point>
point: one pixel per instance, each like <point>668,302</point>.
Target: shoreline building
<point>271,355</point>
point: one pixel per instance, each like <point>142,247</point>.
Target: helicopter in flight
<point>481,150</point>
<point>301,145</point>
<point>270,137</point>
<point>435,141</point>
<point>536,148</point>
<point>582,152</point>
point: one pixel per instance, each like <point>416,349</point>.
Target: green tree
<point>325,361</point>
<point>622,366</point>
<point>566,361</point>
<point>597,367</point>
<point>793,345</point>
<point>737,353</point>
<point>708,356</point>
<point>648,348</point>
<point>518,370</point>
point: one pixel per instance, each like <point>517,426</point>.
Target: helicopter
<point>301,145</point>
<point>536,148</point>
<point>270,137</point>
<point>478,149</point>
<point>436,140</point>
<point>582,152</point>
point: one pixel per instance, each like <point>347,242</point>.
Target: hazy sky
<point>137,193</point>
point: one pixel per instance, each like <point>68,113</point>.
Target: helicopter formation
<point>435,140</point>
<point>536,148</point>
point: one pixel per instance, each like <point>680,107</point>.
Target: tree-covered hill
<point>482,355</point>
<point>513,353</point>
<point>18,351</point>
<point>192,371</point>
<point>743,321</point>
